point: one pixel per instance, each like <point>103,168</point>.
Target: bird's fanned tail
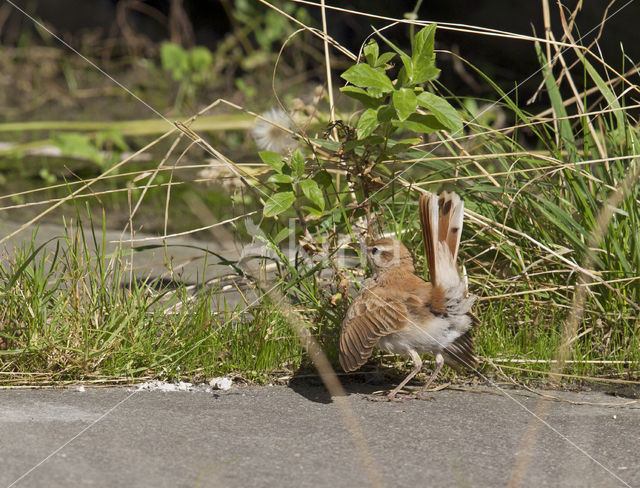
<point>441,220</point>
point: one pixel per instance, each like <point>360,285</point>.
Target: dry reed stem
<point>568,361</point>
<point>557,363</point>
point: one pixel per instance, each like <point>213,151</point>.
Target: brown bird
<point>399,312</point>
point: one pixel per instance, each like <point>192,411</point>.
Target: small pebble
<point>221,383</point>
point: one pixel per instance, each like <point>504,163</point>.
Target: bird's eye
<point>374,250</point>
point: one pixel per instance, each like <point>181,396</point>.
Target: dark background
<point>506,61</point>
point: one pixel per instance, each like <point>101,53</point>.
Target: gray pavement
<point>295,437</point>
<point>186,255</point>
<point>183,262</point>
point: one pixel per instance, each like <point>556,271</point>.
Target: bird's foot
<point>422,396</point>
<point>391,398</point>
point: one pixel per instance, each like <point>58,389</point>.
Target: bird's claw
<point>422,396</point>
<point>389,398</point>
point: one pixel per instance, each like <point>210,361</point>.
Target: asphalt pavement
<point>295,436</point>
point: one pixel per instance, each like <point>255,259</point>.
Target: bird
<point>399,312</point>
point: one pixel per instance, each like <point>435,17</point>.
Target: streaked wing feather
<point>459,354</point>
<point>368,319</point>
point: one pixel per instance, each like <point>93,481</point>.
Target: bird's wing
<point>369,318</point>
<point>459,354</point>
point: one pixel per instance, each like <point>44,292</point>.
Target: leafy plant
<point>393,107</point>
<point>389,108</point>
<point>190,68</point>
<point>541,206</point>
<point>293,181</point>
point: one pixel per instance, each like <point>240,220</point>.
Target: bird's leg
<point>416,369</point>
<point>439,363</point>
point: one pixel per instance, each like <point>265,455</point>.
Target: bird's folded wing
<point>368,319</point>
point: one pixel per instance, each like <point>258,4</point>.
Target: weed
<point>551,229</point>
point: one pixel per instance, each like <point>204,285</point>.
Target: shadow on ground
<point>311,387</point>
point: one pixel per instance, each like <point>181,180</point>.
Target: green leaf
<point>423,43</point>
<point>365,76</point>
<point>424,71</point>
<point>384,59</point>
<point>420,123</point>
<point>608,94</point>
<point>405,102</point>
<point>371,51</point>
<point>422,57</point>
<point>362,96</point>
<point>403,77</point>
<point>272,159</point>
<point>442,110</point>
<point>279,178</point>
<point>282,235</point>
<point>407,75</point>
<point>377,94</point>
<point>312,212</point>
<point>278,203</point>
<point>386,113</point>
<point>313,192</point>
<point>367,123</point>
<point>323,178</point>
<point>297,163</point>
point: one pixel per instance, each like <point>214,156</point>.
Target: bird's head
<point>384,254</point>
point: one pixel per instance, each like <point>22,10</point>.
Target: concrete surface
<point>184,261</point>
<point>295,437</point>
<point>186,255</point>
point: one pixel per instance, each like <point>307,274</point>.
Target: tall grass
<point>72,313</point>
<point>551,239</point>
<point>550,244</point>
